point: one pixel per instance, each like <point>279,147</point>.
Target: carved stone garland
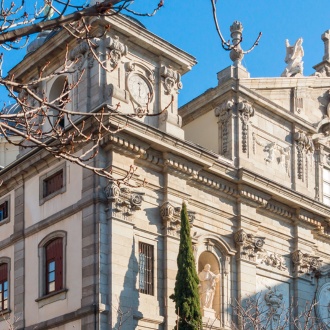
<point>172,79</point>
<point>116,50</point>
<point>171,218</point>
<point>305,263</point>
<point>246,112</point>
<point>248,245</point>
<point>304,144</point>
<point>223,112</point>
<point>125,202</point>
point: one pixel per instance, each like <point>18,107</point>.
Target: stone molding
<point>116,50</point>
<point>223,111</point>
<point>216,185</point>
<point>248,245</point>
<point>304,263</point>
<point>279,210</point>
<point>172,79</point>
<point>253,196</point>
<point>246,111</point>
<point>125,201</point>
<point>171,217</point>
<point>304,144</point>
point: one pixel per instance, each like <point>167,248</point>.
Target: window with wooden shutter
<point>146,268</point>
<point>3,287</point>
<point>54,265</point>
<point>53,183</point>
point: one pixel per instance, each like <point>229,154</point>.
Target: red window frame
<point>54,265</point>
<point>4,290</point>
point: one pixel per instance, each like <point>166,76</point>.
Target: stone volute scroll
<point>246,112</point>
<point>207,286</point>
<point>293,59</point>
<point>305,263</point>
<point>116,50</point>
<point>223,111</point>
<point>172,79</point>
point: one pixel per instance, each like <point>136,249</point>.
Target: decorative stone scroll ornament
<point>116,50</point>
<point>274,300</point>
<point>172,79</point>
<point>82,52</point>
<point>248,244</point>
<point>304,144</point>
<point>293,59</point>
<point>246,112</point>
<point>223,111</point>
<point>171,218</point>
<point>304,263</point>
<point>124,201</point>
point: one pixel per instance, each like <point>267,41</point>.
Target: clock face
<point>139,89</point>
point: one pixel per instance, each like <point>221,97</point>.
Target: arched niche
<point>205,258</point>
<point>58,92</point>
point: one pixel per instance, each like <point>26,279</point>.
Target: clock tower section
<point>144,74</point>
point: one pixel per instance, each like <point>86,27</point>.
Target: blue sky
<point>188,24</point>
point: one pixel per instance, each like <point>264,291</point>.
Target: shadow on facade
<point>128,300</point>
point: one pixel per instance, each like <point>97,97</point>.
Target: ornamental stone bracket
<point>304,144</point>
<point>305,264</point>
<point>125,201</point>
<point>246,111</point>
<point>223,111</point>
<point>248,245</point>
<point>172,79</point>
<point>82,52</point>
<point>171,218</point>
<point>116,50</point>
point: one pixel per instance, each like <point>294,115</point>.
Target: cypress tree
<point>186,295</point>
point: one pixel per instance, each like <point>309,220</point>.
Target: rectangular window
<point>326,186</point>
<point>53,183</point>
<point>4,210</point>
<point>146,268</point>
<point>54,265</point>
<point>3,287</point>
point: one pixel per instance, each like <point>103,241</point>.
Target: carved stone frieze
<point>274,152</point>
<point>248,245</point>
<point>125,201</point>
<point>305,263</point>
<point>116,50</point>
<point>171,218</point>
<point>172,79</point>
<point>304,144</point>
<point>274,260</point>
<point>246,112</point>
<point>223,111</point>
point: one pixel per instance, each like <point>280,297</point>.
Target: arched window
<point>52,264</point>
<point>4,296</point>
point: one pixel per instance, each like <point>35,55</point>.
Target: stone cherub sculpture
<point>208,281</point>
<point>293,59</point>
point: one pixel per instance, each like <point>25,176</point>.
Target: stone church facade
<point>250,157</point>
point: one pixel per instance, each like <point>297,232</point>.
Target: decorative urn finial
<point>236,54</point>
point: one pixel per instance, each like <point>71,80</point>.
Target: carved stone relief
<point>171,218</point>
<point>305,263</point>
<point>274,152</point>
<point>293,59</point>
<point>274,300</point>
<point>172,79</point>
<point>223,111</point>
<point>81,53</point>
<point>246,112</point>
<point>125,201</point>
<point>323,304</point>
<point>248,245</point>
<point>274,260</point>
<point>116,50</point>
<point>304,144</point>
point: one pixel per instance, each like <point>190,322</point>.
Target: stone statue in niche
<point>207,285</point>
<point>293,59</point>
